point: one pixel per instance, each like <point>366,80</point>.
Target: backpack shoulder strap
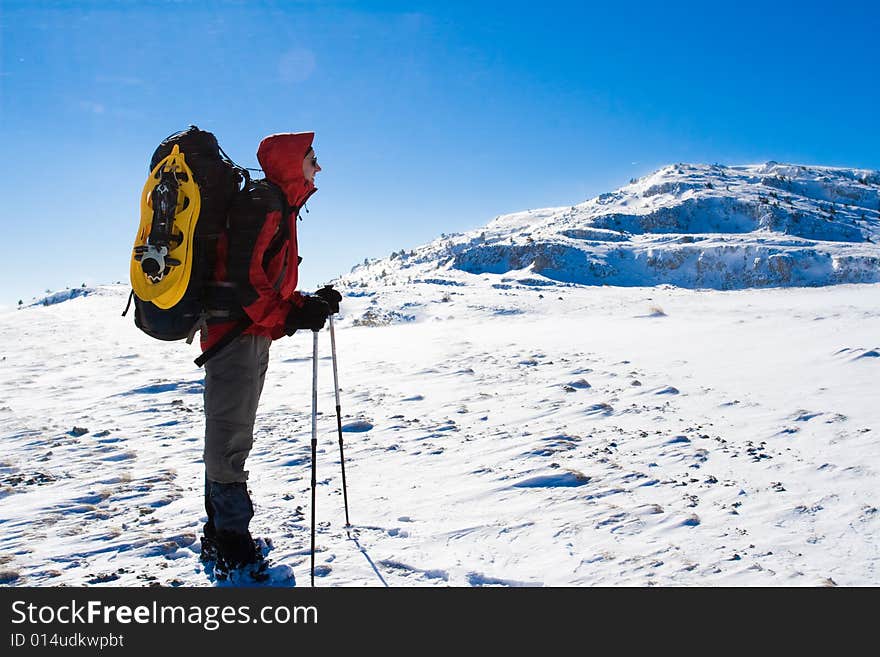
<point>282,198</point>
<point>240,170</point>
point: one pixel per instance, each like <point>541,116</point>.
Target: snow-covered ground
<point>521,435</point>
<point>531,403</point>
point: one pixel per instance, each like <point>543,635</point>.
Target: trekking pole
<point>314,439</point>
<point>339,419</point>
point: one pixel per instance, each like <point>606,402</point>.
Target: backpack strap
<point>227,338</point>
<point>128,305</point>
<point>285,206</point>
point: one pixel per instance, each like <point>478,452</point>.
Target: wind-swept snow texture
<point>695,226</point>
<point>503,437</point>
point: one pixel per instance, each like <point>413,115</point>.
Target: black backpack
<point>184,206</point>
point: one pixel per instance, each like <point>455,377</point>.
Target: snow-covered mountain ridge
<point>694,226</point>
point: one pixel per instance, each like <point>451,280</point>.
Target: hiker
<point>258,258</point>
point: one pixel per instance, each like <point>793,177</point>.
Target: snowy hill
<point>518,436</point>
<point>694,226</point>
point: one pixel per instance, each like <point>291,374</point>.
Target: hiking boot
<point>237,551</point>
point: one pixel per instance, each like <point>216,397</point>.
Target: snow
<point>64,295</point>
<point>598,436</point>
<point>671,384</point>
<point>703,226</point>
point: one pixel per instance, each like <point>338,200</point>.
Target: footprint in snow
<point>479,579</point>
<point>448,425</point>
<point>123,456</point>
<point>295,462</point>
<point>559,443</point>
<point>358,426</point>
<point>869,353</point>
<point>94,498</point>
<point>405,570</point>
<point>648,510</point>
<point>599,409</point>
<point>153,389</point>
<point>805,416</point>
<point>562,480</point>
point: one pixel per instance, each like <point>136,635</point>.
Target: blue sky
<point>431,117</point>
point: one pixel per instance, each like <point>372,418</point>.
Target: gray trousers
<point>233,384</point>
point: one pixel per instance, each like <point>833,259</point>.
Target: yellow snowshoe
<point>162,258</point>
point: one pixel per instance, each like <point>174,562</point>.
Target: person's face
<point>311,167</point>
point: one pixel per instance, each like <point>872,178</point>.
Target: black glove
<point>312,315</point>
<point>331,296</point>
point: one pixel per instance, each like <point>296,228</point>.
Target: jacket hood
<point>281,157</point>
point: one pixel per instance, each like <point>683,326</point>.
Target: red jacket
<point>265,271</point>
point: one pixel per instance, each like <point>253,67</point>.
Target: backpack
<point>184,205</point>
